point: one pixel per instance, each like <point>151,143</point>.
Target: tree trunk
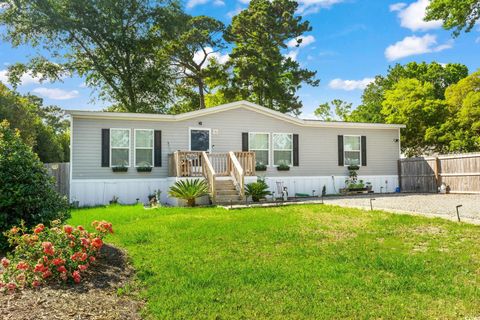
<point>201,93</point>
<point>191,202</point>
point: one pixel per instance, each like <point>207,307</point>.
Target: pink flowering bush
<point>59,253</point>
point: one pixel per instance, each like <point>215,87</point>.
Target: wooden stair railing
<point>237,173</point>
<point>209,174</point>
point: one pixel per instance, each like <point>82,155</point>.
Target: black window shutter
<point>340,151</point>
<point>105,147</point>
<point>295,150</point>
<point>245,141</point>
<point>364,150</point>
<point>157,151</point>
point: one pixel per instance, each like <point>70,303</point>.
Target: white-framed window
<point>120,147</point>
<point>143,147</point>
<point>282,148</point>
<point>352,147</point>
<point>259,142</point>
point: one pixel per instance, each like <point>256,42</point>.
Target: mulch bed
<point>94,298</point>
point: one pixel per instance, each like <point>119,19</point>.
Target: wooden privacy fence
<point>61,173</point>
<point>461,173</point>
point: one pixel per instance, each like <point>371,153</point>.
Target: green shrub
<point>26,190</point>
<point>189,190</point>
<point>260,167</point>
<point>257,190</point>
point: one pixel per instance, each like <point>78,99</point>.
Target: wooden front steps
<point>226,193</point>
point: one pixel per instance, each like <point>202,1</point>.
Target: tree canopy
<point>111,43</point>
<point>458,15</point>
<point>334,110</point>
<point>261,73</point>
<point>440,76</point>
<point>42,128</point>
<point>414,103</point>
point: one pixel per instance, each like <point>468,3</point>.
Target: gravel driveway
<point>441,205</point>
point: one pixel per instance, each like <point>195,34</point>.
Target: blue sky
<point>351,42</point>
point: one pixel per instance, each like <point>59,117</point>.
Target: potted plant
<point>257,190</point>
<point>283,167</point>
<point>260,167</point>
<point>120,169</point>
<point>144,169</point>
<point>114,200</point>
<point>189,190</point>
<point>369,186</point>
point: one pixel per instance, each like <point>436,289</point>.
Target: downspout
<point>71,161</point>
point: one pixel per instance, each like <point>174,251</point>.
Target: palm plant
<point>257,190</point>
<point>189,190</point>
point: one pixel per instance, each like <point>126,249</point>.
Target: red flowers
<point>22,265</point>
<point>68,229</point>
<point>58,261</point>
<point>85,242</point>
<point>49,254</point>
<point>76,276</point>
<point>62,269</point>
<point>11,286</point>
<point>5,262</point>
<point>97,243</point>
<point>102,226</point>
<point>39,228</point>
<point>46,274</point>
<point>82,267</point>
<point>39,267</point>
<point>48,248</point>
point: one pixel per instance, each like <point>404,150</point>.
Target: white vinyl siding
<point>143,148</point>
<point>352,150</point>
<point>259,142</point>
<point>318,146</point>
<point>120,147</point>
<point>282,148</point>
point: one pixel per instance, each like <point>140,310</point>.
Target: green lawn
<point>308,261</point>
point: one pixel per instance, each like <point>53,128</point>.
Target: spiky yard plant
<point>189,190</point>
<point>257,190</point>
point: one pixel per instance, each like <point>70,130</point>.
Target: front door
<point>200,140</point>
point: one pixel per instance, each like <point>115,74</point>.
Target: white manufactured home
<point>130,155</point>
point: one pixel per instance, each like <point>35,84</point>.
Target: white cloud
<point>245,1</point>
<point>199,55</point>
<point>56,94</point>
<point>312,6</point>
<point>414,45</point>
<point>397,6</point>
<point>411,16</point>
<point>25,79</point>
<point>350,85</point>
<point>233,13</point>
<point>193,3</point>
<point>292,55</point>
<point>305,41</point>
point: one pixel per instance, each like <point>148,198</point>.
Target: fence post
<point>399,168</point>
<point>437,172</point>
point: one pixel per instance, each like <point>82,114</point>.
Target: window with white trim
<point>260,144</point>
<point>143,148</point>
<point>352,150</point>
<point>120,147</point>
<point>282,148</point>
